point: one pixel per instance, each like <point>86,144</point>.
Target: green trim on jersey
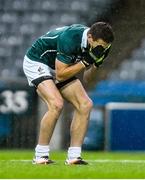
<point>62,43</point>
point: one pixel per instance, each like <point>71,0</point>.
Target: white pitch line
<point>18,160</point>
<point>118,161</point>
<point>96,160</point>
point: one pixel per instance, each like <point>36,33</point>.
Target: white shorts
<point>34,70</point>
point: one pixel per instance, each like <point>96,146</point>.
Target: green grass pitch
<point>17,164</point>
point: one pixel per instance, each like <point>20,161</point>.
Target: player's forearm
<point>70,71</point>
<point>89,73</point>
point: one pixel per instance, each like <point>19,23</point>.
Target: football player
<point>51,65</point>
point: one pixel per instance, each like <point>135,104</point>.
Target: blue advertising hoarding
<point>125,126</point>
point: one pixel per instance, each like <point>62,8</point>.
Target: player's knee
<point>56,105</point>
<point>86,106</point>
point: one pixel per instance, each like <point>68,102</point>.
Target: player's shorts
<point>37,72</point>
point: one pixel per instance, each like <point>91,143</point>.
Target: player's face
<point>98,42</point>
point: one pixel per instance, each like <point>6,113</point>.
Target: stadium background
<point>120,79</point>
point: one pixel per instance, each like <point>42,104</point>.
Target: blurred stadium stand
<point>132,68</point>
<point>21,21</point>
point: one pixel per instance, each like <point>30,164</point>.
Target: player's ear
<point>90,39</point>
<point>89,36</point>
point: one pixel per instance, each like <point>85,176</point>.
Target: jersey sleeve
<point>65,48</point>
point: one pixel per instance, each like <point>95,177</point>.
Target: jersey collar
<point>84,39</point>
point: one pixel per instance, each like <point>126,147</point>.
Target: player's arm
<point>66,48</point>
<point>88,73</point>
<point>65,71</point>
<point>64,59</point>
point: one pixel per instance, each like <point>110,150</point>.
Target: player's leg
<point>76,94</point>
<point>53,99</point>
<point>41,76</point>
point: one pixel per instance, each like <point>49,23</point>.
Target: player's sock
<point>74,157</point>
<point>41,151</point>
<point>74,152</point>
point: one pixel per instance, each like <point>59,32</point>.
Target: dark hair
<point>102,30</point>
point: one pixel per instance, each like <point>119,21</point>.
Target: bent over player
<point>50,65</point>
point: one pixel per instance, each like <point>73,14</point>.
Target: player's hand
<point>87,59</point>
<point>97,64</point>
<point>100,58</point>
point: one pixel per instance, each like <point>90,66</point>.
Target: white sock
<point>74,152</point>
<point>41,151</point>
